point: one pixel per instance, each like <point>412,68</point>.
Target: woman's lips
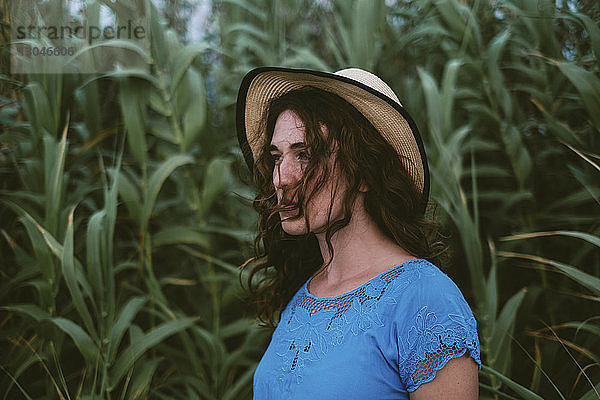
<point>288,208</point>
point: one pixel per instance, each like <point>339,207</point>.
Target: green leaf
<point>593,394</point>
<point>242,383</point>
<point>593,31</point>
<point>131,197</point>
<point>225,265</point>
<point>140,382</point>
<point>180,234</point>
<point>194,116</point>
<point>237,328</point>
<point>44,291</point>
<point>433,101</point>
<point>490,389</point>
<point>216,178</point>
<point>94,253</point>
<point>28,309</point>
<point>448,92</point>
<point>38,110</point>
<point>491,291</point>
<point>523,392</point>
<point>495,77</point>
<point>118,43</point>
<point>82,340</point>
<point>587,280</point>
<point>457,18</point>
<point>588,86</point>
<point>182,60</point>
<point>133,103</point>
<point>110,206</point>
<point>158,103</point>
<point>54,163</point>
<point>164,130</point>
<point>14,378</point>
<point>587,181</point>
<point>595,240</point>
<point>23,366</point>
<point>71,279</point>
<point>245,235</point>
<point>128,312</point>
<point>140,346</point>
<point>517,152</point>
<point>140,74</point>
<point>157,179</point>
<point>583,326</point>
<point>502,336</point>
<point>251,8</point>
<point>37,236</point>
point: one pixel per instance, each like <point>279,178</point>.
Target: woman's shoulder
<point>422,290</point>
<point>420,277</point>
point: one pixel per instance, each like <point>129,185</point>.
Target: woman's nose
<point>286,172</point>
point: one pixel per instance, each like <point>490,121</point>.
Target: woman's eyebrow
<point>293,146</point>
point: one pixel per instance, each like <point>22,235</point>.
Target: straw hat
<point>371,96</point>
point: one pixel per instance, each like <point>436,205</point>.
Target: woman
<point>342,187</point>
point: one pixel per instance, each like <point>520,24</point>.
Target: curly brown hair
<point>284,262</point>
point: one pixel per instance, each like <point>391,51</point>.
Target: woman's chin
<point>293,227</point>
<point>293,230</point>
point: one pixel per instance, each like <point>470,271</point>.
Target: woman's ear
<point>363,187</point>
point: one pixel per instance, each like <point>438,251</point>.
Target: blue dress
<point>378,341</point>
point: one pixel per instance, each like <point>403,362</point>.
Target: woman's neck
<point>360,252</point>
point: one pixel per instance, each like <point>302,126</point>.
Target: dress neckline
<point>312,296</point>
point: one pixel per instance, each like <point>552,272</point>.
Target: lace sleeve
<point>437,327</point>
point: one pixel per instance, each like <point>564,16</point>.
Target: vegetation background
<point>125,202</point>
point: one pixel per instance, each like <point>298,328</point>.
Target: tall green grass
<point>117,232</point>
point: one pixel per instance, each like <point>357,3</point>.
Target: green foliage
<point>111,288</point>
<point>122,225</point>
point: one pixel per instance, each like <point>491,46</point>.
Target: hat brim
<point>263,84</point>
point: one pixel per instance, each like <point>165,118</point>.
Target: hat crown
<point>369,79</point>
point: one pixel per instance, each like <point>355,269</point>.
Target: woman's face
<point>289,152</point>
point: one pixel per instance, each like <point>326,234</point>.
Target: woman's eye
<point>276,158</point>
<point>303,156</point>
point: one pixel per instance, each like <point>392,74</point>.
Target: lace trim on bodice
<point>371,290</point>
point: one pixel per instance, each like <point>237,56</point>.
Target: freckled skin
<point>288,169</point>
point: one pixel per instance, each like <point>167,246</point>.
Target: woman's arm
<point>457,380</point>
